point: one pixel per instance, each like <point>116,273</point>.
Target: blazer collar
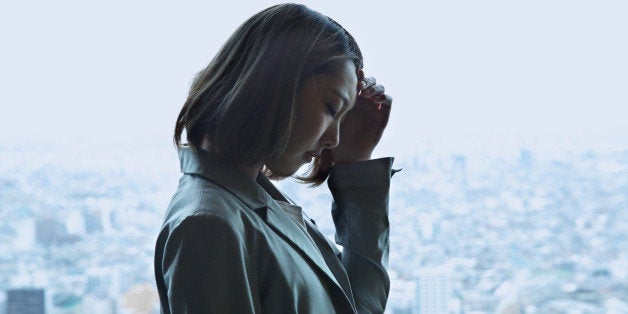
<point>224,174</point>
<point>257,196</point>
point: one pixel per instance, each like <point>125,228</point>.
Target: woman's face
<point>322,102</point>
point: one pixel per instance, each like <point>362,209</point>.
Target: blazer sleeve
<point>360,214</point>
<point>206,268</point>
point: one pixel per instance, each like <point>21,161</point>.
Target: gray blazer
<point>226,246</point>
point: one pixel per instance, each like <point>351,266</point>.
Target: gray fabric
<point>226,246</point>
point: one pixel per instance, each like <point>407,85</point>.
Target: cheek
<point>310,128</point>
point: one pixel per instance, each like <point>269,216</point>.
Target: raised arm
<point>360,212</point>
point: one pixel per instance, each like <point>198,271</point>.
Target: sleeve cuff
<point>374,172</point>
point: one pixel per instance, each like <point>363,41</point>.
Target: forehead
<point>344,80</point>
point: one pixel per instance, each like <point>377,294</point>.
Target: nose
<point>331,137</point>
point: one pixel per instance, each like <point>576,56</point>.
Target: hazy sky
<point>463,69</point>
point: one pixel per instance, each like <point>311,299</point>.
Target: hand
<point>364,125</point>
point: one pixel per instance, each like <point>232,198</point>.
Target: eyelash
<point>331,110</point>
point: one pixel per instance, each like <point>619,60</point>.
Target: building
<point>26,301</point>
<point>433,292</point>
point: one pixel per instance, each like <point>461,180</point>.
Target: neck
<point>250,171</point>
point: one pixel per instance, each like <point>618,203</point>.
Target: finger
<point>386,101</point>
<point>382,101</point>
<point>372,91</point>
<point>379,98</point>
<point>386,104</point>
<point>367,82</point>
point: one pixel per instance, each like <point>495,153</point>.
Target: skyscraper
<point>433,292</point>
<point>26,301</point>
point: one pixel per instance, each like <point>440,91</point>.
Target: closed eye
<point>332,111</point>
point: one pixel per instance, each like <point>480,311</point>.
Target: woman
<point>287,88</point>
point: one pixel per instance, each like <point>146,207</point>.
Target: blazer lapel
<point>287,229</point>
<point>282,224</point>
<point>257,196</point>
<point>331,259</point>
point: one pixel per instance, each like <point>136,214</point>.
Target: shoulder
<point>199,201</point>
<point>205,218</point>
<point>199,196</point>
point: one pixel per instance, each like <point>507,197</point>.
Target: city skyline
<point>522,228</point>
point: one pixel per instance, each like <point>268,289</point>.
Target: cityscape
<point>512,229</point>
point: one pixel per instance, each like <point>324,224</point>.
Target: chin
<point>285,170</point>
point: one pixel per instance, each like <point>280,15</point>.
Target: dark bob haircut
<point>244,101</point>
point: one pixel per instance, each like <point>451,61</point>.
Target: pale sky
<point>460,69</point>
